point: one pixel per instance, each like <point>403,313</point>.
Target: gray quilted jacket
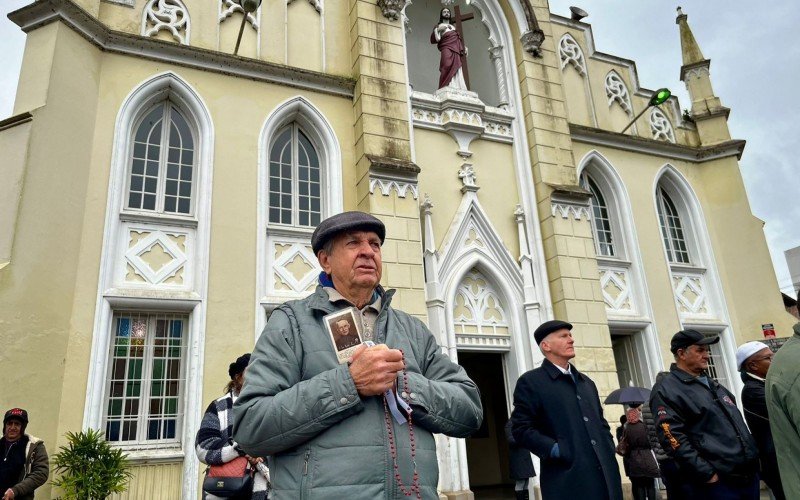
<point>300,407</point>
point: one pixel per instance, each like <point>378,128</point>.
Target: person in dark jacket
<point>642,465</point>
<point>623,419</point>
<point>520,465</point>
<point>700,427</point>
<point>754,359</point>
<point>558,417</point>
<point>25,465</point>
<point>666,465</point>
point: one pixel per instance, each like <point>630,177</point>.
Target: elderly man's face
<point>694,359</point>
<point>355,260</point>
<point>560,344</point>
<point>12,430</point>
<point>344,328</point>
<point>758,364</point>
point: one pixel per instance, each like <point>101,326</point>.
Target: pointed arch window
<point>295,184</point>
<point>162,163</point>
<point>601,220</point>
<point>672,229</point>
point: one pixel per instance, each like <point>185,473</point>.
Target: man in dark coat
<point>557,416</point>
<point>700,427</point>
<point>754,359</point>
<point>520,465</point>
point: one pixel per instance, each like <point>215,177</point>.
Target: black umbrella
<point>628,396</point>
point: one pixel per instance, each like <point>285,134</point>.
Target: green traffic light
<point>660,96</point>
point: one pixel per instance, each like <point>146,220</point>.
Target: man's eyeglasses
<point>768,357</point>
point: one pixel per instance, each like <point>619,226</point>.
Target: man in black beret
<point>557,416</point>
<point>333,419</point>
<point>700,426</point>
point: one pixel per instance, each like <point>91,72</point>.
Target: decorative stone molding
<point>317,4</point>
<point>565,209</point>
<point>386,186</point>
<point>44,12</point>
<point>496,56</point>
<point>387,174</point>
<point>696,73</point>
<point>690,294</point>
<point>391,9</point>
<point>532,42</point>
<point>660,126</point>
<point>155,257</point>
<point>294,268</point>
<point>170,15</point>
<point>467,175</point>
<point>228,7</point>
<point>615,283</point>
<point>570,53</point>
<point>566,200</point>
<point>616,90</point>
<point>461,115</point>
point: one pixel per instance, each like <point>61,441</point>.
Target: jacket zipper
<point>304,481</point>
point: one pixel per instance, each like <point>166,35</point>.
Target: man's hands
<point>714,479</point>
<point>9,494</point>
<point>374,369</point>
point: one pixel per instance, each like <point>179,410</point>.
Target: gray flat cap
<point>345,221</point>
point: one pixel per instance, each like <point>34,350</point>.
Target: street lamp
<point>248,6</point>
<point>660,96</point>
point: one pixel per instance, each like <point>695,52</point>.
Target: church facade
<point>161,193</point>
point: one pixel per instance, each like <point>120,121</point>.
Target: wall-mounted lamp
<point>248,6</point>
<point>660,96</point>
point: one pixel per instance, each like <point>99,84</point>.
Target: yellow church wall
<point>302,48</point>
<point>304,43</point>
<point>596,112</point>
<point>38,291</point>
<point>741,257</point>
<point>494,171</point>
<point>37,60</point>
<point>740,248</point>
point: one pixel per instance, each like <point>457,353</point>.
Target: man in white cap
<point>754,359</point>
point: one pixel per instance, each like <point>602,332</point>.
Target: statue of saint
<point>452,48</point>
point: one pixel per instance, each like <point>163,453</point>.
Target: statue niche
<point>463,55</point>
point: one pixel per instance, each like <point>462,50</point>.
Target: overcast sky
<point>755,61</point>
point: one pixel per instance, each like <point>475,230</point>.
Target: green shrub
<point>89,468</point>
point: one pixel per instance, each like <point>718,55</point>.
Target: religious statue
<point>452,49</point>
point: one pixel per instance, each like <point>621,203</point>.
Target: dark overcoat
<point>551,407</point>
<point>520,465</point>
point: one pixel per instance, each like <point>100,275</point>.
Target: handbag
<point>231,479</point>
<point>622,447</point>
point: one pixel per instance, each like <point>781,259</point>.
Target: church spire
<point>689,48</point>
<point>707,110</point>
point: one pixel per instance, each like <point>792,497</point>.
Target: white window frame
<point>161,186</point>
<point>686,227</point>
<point>141,442</point>
<point>614,218</point>
<point>323,189</point>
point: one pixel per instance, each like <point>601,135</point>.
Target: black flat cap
<point>345,221</point>
<point>685,338</point>
<point>549,327</point>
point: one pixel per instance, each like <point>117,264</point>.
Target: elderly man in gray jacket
<point>328,426</point>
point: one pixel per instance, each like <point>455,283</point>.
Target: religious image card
<point>344,331</point>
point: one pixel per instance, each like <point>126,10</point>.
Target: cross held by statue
<point>459,19</point>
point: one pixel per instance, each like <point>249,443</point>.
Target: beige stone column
<point>564,212</point>
<point>386,179</point>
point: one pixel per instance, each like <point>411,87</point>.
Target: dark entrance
<point>487,449</point>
